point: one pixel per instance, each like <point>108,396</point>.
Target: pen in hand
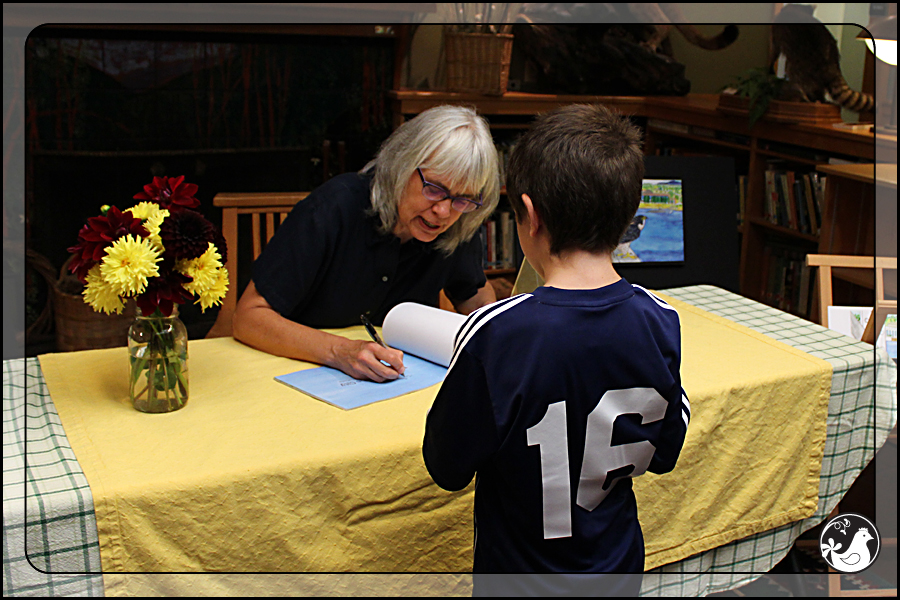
<point>374,335</point>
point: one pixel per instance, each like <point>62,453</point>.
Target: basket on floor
<point>478,62</point>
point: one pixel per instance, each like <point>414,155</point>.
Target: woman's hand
<point>363,359</point>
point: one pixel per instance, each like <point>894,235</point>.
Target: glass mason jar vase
<point>158,353</point>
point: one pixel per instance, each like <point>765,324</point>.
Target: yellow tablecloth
<point>753,453</point>
<point>254,476</point>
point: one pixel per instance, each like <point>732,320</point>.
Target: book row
<point>794,200</point>
<point>498,236</point>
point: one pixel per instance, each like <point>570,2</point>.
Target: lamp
<point>881,39</point>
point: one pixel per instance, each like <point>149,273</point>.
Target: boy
<point>556,398</point>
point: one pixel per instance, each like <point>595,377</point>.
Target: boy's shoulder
<point>499,318</point>
<point>651,300</point>
<point>508,323</point>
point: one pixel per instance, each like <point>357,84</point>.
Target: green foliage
<point>760,87</point>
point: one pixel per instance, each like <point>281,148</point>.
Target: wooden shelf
<point>864,173</point>
<point>785,231</point>
<point>699,138</point>
<point>790,157</point>
<point>846,225</point>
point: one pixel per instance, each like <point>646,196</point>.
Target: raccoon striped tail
<point>850,99</point>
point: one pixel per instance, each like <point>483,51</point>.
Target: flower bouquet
<point>160,253</point>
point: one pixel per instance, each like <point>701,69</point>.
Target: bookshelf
<point>692,124</point>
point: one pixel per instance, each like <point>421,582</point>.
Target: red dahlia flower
<point>170,193</point>
<point>99,233</point>
<point>186,234</point>
<point>163,292</point>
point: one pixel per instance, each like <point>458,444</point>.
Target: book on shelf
<point>786,280</point>
<point>786,191</point>
<point>733,138</point>
<point>800,202</point>
<point>772,213</point>
<point>812,212</point>
<point>703,131</point>
<point>793,200</point>
<point>499,241</point>
<point>671,126</point>
<point>504,149</point>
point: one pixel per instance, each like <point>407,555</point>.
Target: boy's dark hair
<point>582,167</point>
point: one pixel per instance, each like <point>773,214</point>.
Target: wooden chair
<point>257,205</point>
<point>263,209</point>
<point>876,265</point>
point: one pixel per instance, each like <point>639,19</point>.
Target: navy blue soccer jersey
<point>556,399</point>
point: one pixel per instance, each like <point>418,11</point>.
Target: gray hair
<point>453,142</point>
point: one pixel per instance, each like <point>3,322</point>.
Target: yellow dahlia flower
<point>204,270</point>
<point>101,295</point>
<point>129,263</point>
<point>216,292</point>
<point>152,216</point>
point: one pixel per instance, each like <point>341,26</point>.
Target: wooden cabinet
<point>693,125</point>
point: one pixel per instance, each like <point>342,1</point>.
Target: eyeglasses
<point>437,193</point>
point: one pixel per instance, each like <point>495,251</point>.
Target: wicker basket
<point>79,327</point>
<point>478,62</point>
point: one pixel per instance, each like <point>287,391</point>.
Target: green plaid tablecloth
<point>47,505</point>
<point>61,536</point>
<point>861,412</point>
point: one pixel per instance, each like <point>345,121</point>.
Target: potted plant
<point>760,94</point>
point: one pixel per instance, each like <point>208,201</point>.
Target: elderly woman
<point>402,229</point>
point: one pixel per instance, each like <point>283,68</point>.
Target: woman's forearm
<point>258,325</point>
<point>266,330</point>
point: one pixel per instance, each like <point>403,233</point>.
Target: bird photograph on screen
<point>656,233</point>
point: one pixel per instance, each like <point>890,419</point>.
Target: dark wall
<point>711,242</point>
<point>106,111</point>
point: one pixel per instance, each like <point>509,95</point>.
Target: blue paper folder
<point>337,388</point>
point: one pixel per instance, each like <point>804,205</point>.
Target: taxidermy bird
<point>634,229</point>
<point>623,252</point>
<point>856,557</point>
<point>813,61</point>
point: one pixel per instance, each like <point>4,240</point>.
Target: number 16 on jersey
<point>600,456</point>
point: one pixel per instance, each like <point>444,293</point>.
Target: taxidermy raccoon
<point>813,62</point>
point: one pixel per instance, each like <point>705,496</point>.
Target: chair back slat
<point>270,226</point>
<point>254,204</point>
<point>257,244</point>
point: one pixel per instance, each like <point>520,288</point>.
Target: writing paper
<point>425,335</point>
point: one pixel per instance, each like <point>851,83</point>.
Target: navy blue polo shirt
<point>327,263</point>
